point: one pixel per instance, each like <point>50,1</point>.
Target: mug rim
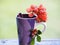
<point>19,17</point>
<point>25,18</point>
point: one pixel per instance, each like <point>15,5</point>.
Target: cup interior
<point>24,16</point>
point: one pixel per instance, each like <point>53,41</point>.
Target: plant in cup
<point>35,33</point>
<point>41,16</point>
<point>39,12</point>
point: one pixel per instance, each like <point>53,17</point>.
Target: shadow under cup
<point>24,25</point>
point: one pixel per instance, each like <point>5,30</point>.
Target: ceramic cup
<point>24,25</point>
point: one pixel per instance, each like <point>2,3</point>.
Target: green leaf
<point>39,32</point>
<point>32,41</point>
<point>38,38</point>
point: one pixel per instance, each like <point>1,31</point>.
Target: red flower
<point>28,10</point>
<point>42,17</point>
<point>41,7</point>
<point>33,6</point>
<point>35,10</point>
<point>39,11</point>
<point>30,14</point>
<point>37,19</point>
<point>34,32</point>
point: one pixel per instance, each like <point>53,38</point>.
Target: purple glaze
<point>24,25</point>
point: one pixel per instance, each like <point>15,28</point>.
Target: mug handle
<point>42,23</point>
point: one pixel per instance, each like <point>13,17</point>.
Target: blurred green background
<point>10,8</point>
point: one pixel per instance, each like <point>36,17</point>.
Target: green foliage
<point>38,38</point>
<point>39,32</point>
<point>32,41</point>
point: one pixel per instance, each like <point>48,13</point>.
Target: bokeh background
<point>10,8</point>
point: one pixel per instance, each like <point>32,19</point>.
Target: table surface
<point>43,42</point>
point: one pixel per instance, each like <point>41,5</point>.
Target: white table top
<point>43,42</point>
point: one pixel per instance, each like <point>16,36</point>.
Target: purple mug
<point>24,25</point>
